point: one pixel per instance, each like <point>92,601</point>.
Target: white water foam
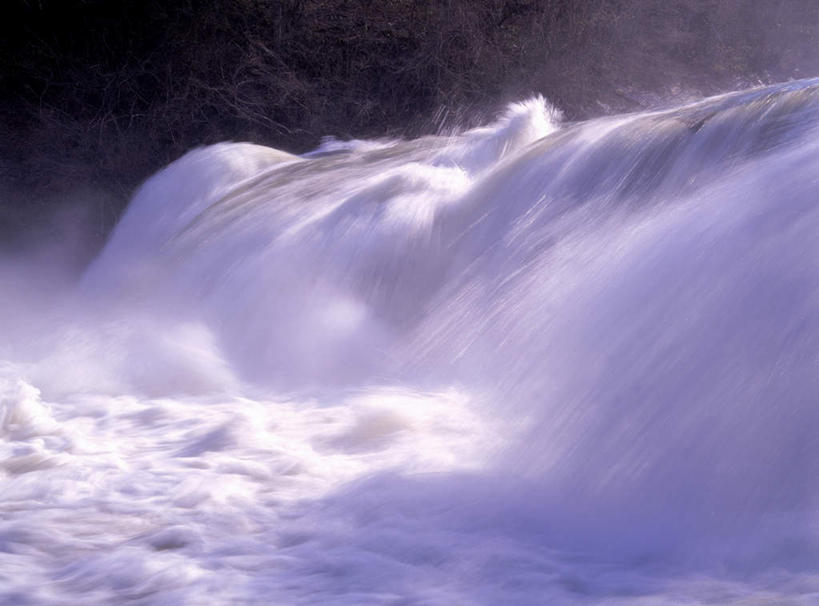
<point>528,363</point>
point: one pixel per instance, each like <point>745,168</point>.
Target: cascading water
<point>533,362</point>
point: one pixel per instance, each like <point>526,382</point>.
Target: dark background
<point>98,94</point>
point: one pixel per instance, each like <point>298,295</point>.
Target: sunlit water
<point>532,363</point>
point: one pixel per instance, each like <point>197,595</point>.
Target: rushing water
<point>531,363</point>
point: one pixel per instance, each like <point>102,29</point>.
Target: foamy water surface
<point>530,363</point>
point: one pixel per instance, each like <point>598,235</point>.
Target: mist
<point>465,303</point>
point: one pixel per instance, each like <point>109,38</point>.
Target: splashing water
<point>532,362</point>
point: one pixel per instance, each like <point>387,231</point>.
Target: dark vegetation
<point>97,94</point>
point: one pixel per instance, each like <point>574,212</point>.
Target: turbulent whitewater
<point>536,362</point>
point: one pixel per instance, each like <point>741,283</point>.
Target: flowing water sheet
<point>531,363</point>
